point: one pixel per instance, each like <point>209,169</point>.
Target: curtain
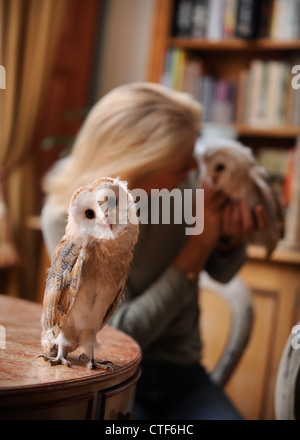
<point>29,31</point>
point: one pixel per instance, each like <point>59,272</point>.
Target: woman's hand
<point>238,223</point>
<point>227,224</point>
<point>214,205</point>
<point>194,254</point>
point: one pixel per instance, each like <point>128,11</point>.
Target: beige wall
<point>126,43</point>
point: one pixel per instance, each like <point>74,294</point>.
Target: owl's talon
<point>106,365</point>
<point>83,357</point>
<point>94,365</point>
<point>59,361</point>
<point>55,361</point>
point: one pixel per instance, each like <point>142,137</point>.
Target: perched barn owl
<point>89,269</point>
<point>231,167</point>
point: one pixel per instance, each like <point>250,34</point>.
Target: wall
<point>124,49</point>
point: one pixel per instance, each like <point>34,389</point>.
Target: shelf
<point>280,255</point>
<point>277,132</point>
<point>234,44</point>
<point>283,132</point>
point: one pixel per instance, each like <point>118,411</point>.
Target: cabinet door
<point>117,403</point>
<point>276,299</point>
<point>70,408</point>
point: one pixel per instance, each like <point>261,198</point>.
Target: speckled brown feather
<point>62,283</point>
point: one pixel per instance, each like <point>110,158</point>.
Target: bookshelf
<point>284,132</point>
<point>275,283</point>
<point>236,44</point>
<point>244,83</point>
<point>281,133</point>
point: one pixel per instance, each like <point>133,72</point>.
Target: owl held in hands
<point>89,269</point>
<point>231,167</point>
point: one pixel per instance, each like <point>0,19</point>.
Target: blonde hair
<point>131,132</point>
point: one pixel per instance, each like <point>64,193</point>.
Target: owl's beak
<point>104,222</point>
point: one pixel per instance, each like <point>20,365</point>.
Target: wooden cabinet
<point>275,286</point>
<point>276,283</point>
<point>31,389</point>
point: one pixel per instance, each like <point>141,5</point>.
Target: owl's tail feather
<point>49,347</point>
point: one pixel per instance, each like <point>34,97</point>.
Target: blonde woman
<point>145,134</point>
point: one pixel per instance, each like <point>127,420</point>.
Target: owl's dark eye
<point>220,167</point>
<point>89,213</point>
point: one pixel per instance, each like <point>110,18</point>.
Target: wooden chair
<point>287,390</point>
<point>239,300</point>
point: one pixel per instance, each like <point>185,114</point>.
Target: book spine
<point>199,19</point>
<point>182,22</point>
<point>241,96</point>
<point>257,71</point>
<point>215,19</point>
<point>230,13</point>
<point>292,231</point>
<point>247,25</point>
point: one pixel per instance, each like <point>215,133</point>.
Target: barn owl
<point>231,167</point>
<point>89,269</point>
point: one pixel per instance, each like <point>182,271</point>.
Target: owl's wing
<point>273,207</point>
<point>268,194</point>
<point>63,282</point>
<point>119,292</point>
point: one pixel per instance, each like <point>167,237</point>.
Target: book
<point>178,66</point>
<point>199,18</point>
<point>292,230</point>
<point>223,108</point>
<point>275,161</point>
<point>248,19</point>
<point>182,21</point>
<point>256,73</point>
<point>192,77</point>
<point>288,177</point>
<point>265,19</point>
<point>261,95</point>
<point>285,20</point>
<point>167,79</point>
<point>247,22</point>
<point>274,96</point>
<point>294,94</point>
<point>269,98</point>
<point>207,98</point>
<point>215,19</point>
<point>241,96</point>
<point>230,16</point>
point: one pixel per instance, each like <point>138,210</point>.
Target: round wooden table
<point>30,388</point>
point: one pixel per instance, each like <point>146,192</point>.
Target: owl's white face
<point>226,167</point>
<point>103,211</point>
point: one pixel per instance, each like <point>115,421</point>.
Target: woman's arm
<point>238,224</point>
<point>53,227</point>
<point>221,248</point>
<point>223,267</point>
<point>146,316</point>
